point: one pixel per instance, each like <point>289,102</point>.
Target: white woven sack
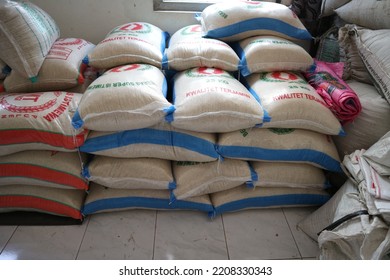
<point>61,69</point>
<point>378,155</point>
<point>126,97</point>
<point>271,53</point>
<point>293,175</point>
<point>194,178</point>
<point>102,199</point>
<point>212,100</point>
<point>39,121</point>
<point>292,103</point>
<point>26,36</point>
<point>354,67</point>
<point>43,168</point>
<point>160,141</point>
<point>372,123</point>
<point>280,144</point>
<point>237,20</point>
<point>134,42</point>
<point>122,173</point>
<point>371,14</point>
<point>187,49</point>
<point>328,7</point>
<point>372,45</point>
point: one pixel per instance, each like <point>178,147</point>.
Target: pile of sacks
<point>42,80</point>
<point>213,141</point>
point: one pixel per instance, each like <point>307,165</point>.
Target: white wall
<point>93,19</point>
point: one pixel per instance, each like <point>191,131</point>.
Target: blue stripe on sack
<point>169,113</point>
<point>149,136</point>
<point>164,64</point>
<point>85,172</point>
<point>254,176</point>
<point>266,116</point>
<point>270,201</point>
<point>172,185</point>
<point>77,122</point>
<point>142,202</point>
<point>293,155</point>
<point>164,37</point>
<point>259,23</point>
<point>243,66</point>
<point>165,87</point>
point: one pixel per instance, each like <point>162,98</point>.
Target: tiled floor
<point>160,235</point>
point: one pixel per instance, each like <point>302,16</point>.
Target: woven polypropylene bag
<point>26,36</point>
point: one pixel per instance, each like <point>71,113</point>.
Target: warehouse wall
<point>93,19</point>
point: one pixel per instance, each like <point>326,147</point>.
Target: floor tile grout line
<point>289,227</point>
<point>82,239</point>
<point>226,242</point>
<point>155,232</point>
<point>9,239</point>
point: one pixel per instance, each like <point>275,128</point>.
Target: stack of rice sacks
<point>292,147</point>
<point>133,146</point>
<point>40,166</point>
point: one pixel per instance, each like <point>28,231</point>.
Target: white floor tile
<point>5,234</point>
<point>44,243</point>
<point>259,234</point>
<point>189,235</point>
<point>119,235</point>
<point>307,246</point>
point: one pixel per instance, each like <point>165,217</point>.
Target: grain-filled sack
<point>26,36</point>
<point>43,168</point>
<point>194,178</point>
<point>59,202</point>
<point>102,199</point>
<point>372,46</point>
<point>241,198</point>
<point>124,173</point>
<point>212,100</point>
<point>368,13</point>
<point>126,97</point>
<point>372,123</point>
<point>236,20</point>
<point>354,67</point>
<point>61,69</point>
<point>187,49</point>
<point>285,174</point>
<point>270,53</point>
<point>161,141</point>
<point>280,144</point>
<point>134,42</point>
<point>292,103</point>
<point>39,121</point>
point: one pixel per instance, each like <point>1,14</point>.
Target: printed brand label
<point>190,30</point>
<point>134,27</point>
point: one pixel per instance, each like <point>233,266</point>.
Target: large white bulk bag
<point>187,49</point>
<point>236,20</point>
<point>371,124</point>
<point>280,144</point>
<point>61,69</point>
<point>134,42</point>
<point>102,199</point>
<point>126,97</point>
<point>368,13</point>
<point>39,121</point>
<point>195,178</point>
<point>123,173</point>
<point>292,103</point>
<point>212,100</point>
<point>271,53</point>
<point>26,36</point>
<point>160,141</point>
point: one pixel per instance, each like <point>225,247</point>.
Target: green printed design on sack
<point>191,30</point>
<point>254,5</point>
<point>281,131</point>
<point>122,84</point>
<point>207,72</point>
<point>244,132</point>
<point>281,77</point>
<point>133,28</point>
<point>222,14</point>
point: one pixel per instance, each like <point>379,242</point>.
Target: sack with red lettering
<point>61,69</point>
<point>237,20</point>
<point>270,53</point>
<point>187,49</point>
<point>43,168</point>
<point>39,121</point>
<point>123,98</point>
<point>26,36</point>
<point>292,103</point>
<point>135,42</point>
<point>212,100</point>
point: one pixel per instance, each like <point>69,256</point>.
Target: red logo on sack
<point>209,71</point>
<point>125,68</point>
<point>284,76</point>
<point>11,104</point>
<point>134,26</point>
<point>68,42</point>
